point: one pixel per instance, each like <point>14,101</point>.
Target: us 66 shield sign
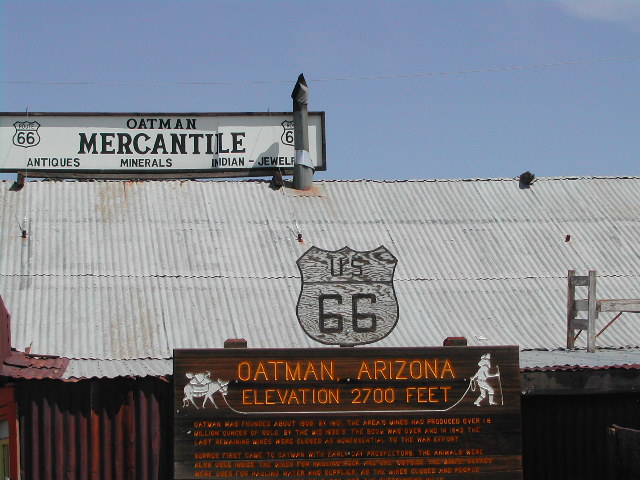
<point>347,297</point>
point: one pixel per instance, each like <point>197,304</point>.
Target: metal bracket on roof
<point>19,183</point>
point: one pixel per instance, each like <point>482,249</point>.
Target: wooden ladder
<point>593,307</point>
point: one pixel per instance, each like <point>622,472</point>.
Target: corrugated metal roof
<point>131,270</point>
<point>603,358</point>
<point>141,367</point>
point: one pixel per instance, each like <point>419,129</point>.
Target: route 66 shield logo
<point>347,297</point>
<point>287,132</point>
<point>26,134</point>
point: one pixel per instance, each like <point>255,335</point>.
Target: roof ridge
<point>337,180</point>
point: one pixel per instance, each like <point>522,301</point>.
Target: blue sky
<point>411,89</point>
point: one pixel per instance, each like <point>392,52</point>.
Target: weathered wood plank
<point>631,305</point>
<point>623,449</point>
<point>592,313</point>
<point>579,281</point>
<point>620,305</point>
<point>571,308</point>
<point>582,305</point>
<point>580,323</point>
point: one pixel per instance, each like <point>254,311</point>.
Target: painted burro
<point>347,297</point>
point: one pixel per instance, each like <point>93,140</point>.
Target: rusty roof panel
<point>140,367</point>
<point>562,359</point>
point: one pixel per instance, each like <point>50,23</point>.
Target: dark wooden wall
<point>565,436</point>
<point>98,429</point>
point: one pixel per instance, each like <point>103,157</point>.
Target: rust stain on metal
<point>25,365</point>
<point>106,205</point>
<point>316,190</point>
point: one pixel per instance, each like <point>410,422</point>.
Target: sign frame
<point>31,132</point>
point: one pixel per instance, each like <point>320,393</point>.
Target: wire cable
<point>335,79</point>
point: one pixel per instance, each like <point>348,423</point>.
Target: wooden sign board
<point>349,413</point>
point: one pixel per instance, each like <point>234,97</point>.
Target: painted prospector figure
<point>480,379</point>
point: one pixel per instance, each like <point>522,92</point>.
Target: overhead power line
<point>482,70</point>
<point>335,79</point>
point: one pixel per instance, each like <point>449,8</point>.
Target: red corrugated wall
<point>98,429</point>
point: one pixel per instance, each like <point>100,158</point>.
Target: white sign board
<point>198,144</point>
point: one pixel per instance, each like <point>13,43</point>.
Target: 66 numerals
<point>26,139</point>
<point>361,322</point>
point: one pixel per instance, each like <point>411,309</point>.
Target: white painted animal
<point>200,386</point>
